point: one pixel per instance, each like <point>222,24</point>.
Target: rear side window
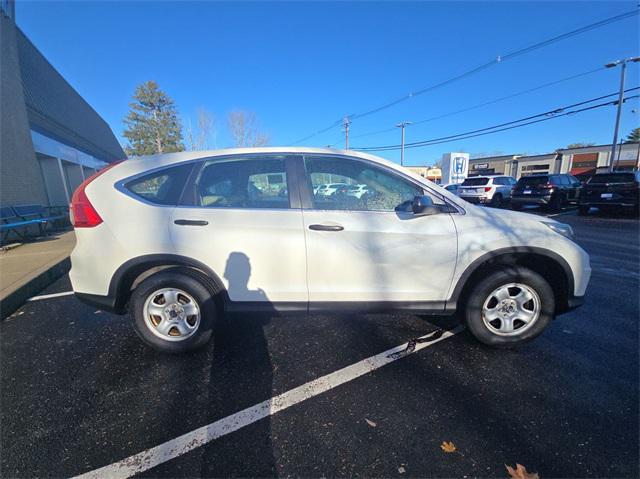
<point>529,181</point>
<point>243,183</point>
<point>163,187</point>
<point>475,182</point>
<point>612,178</point>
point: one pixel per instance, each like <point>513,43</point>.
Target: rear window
<point>612,178</point>
<point>162,187</point>
<point>533,180</point>
<point>475,182</point>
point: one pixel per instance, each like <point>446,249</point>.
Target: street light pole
<point>402,125</point>
<point>616,129</point>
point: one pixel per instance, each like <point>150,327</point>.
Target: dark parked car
<point>553,191</point>
<point>612,191</point>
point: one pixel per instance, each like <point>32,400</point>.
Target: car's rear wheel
<point>173,311</point>
<point>509,307</point>
<point>556,203</point>
<point>516,206</point>
<point>583,210</point>
<point>496,201</point>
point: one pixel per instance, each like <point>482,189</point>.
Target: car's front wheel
<point>509,307</point>
<point>173,311</point>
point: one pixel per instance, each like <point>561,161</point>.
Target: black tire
<point>482,291</point>
<point>555,204</point>
<point>583,210</point>
<point>195,285</point>
<point>516,206</point>
<point>496,201</point>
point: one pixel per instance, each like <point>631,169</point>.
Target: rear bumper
<point>530,200</point>
<point>600,203</point>
<point>475,199</point>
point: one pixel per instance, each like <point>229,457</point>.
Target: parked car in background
<point>494,190</point>
<point>583,177</point>
<point>615,190</point>
<point>357,191</point>
<point>552,191</point>
<point>177,240</point>
<point>328,190</point>
<point>452,187</point>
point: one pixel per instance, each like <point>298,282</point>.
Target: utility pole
<point>346,123</point>
<point>402,125</point>
<point>616,129</point>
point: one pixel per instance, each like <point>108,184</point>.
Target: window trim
<point>306,190</point>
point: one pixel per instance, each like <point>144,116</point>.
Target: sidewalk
<point>31,267</point>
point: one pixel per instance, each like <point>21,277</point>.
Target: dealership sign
<point>455,167</point>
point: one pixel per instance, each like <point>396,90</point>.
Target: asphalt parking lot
<point>80,391</point>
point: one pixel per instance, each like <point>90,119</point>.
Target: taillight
<point>487,189</point>
<point>81,211</point>
<point>546,186</point>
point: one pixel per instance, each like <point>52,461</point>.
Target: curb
<point>18,297</point>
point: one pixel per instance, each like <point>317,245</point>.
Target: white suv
<point>494,190</point>
<point>179,239</point>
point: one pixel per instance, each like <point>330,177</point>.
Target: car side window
<point>344,184</point>
<point>163,187</point>
<point>243,183</point>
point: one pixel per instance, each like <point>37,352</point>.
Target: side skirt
<point>416,307</point>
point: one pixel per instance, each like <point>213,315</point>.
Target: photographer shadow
<point>241,376</point>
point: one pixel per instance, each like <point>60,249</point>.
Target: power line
<point>491,102</point>
<point>548,115</point>
<point>497,60</point>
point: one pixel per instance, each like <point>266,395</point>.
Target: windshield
<point>612,178</point>
<point>475,182</point>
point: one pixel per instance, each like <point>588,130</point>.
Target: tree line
<point>153,126</point>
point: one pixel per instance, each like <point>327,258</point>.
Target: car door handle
<point>191,222</point>
<point>326,227</point>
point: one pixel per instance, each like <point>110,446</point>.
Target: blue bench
<point>19,218</point>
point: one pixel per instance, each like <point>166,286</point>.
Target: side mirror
<point>423,206</point>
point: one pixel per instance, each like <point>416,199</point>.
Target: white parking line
<point>164,452</point>
<point>53,295</point>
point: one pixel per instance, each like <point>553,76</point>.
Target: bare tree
<point>204,135</point>
<point>245,130</point>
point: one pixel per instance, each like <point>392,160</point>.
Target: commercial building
<point>433,174</point>
<point>50,137</point>
<point>588,159</point>
<point>577,161</point>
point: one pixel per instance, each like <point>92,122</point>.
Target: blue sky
<point>300,66</point>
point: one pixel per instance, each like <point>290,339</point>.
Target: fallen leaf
<point>448,446</point>
<point>520,472</point>
<point>370,423</point>
<point>402,470</point>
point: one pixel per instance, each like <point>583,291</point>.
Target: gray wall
<point>20,178</point>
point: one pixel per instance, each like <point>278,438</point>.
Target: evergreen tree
<point>152,125</point>
<point>634,136</point>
